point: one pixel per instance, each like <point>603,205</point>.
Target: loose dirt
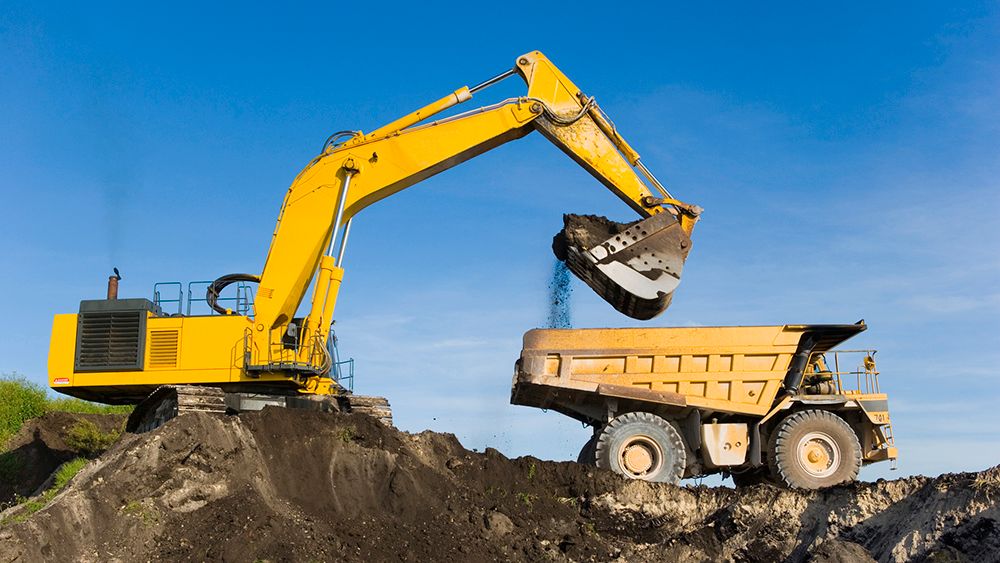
<point>585,232</point>
<point>39,448</point>
<point>284,485</point>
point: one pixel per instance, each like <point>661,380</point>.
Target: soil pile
<point>296,485</point>
<point>39,448</point>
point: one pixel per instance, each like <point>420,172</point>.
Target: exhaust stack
<point>113,285</point>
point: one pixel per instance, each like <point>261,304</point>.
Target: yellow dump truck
<point>760,403</point>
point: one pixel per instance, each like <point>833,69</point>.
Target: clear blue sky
<point>846,157</point>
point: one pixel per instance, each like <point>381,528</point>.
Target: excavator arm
<point>351,174</point>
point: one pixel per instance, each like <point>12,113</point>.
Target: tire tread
<point>780,445</point>
<point>605,438</point>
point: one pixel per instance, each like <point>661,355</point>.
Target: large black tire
<point>814,449</point>
<point>588,454</point>
<point>641,445</point>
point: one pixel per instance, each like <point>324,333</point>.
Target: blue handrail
<point>159,300</point>
<point>242,302</point>
<point>337,366</point>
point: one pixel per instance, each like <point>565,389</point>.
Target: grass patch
<point>21,400</point>
<point>136,509</point>
<point>63,475</point>
<point>527,499</point>
<point>66,472</point>
<point>86,438</point>
<point>347,434</point>
<point>498,492</point>
<point>77,406</point>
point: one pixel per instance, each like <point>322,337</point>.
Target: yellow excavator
<point>123,351</point>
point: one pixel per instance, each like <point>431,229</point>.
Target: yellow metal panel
<point>62,347</point>
<point>728,369</point>
<point>164,348</point>
<point>201,349</point>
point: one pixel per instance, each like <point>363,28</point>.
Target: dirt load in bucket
<point>635,267</point>
<point>287,485</point>
<point>585,232</point>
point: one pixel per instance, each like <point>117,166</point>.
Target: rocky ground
<point>285,485</point>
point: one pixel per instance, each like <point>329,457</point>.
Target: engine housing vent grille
<point>163,348</point>
<point>110,340</point>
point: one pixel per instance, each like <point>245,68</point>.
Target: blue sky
<point>846,157</point>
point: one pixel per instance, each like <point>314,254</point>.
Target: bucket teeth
<point>635,267</point>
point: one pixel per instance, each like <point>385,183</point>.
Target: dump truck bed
<point>726,369</point>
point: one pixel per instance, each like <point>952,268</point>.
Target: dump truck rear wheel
<point>588,454</point>
<point>641,445</point>
<point>814,449</point>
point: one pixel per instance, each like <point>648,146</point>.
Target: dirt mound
<point>293,485</point>
<point>39,448</point>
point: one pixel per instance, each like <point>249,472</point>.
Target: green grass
<point>347,434</point>
<point>66,472</point>
<point>527,499</point>
<point>88,440</point>
<point>21,400</point>
<point>69,404</point>
<point>63,475</point>
<point>147,515</point>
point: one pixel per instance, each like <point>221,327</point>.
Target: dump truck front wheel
<point>814,449</point>
<point>641,445</point>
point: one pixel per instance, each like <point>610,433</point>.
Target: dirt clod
<point>499,523</point>
<point>585,232</point>
<point>283,485</point>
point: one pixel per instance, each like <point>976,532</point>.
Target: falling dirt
<point>284,485</point>
<point>560,292</point>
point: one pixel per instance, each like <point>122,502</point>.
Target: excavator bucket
<point>635,267</point>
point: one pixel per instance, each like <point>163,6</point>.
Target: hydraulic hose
<point>216,287</point>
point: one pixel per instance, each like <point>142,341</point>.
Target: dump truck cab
<point>775,403</point>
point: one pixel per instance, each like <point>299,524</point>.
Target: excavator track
<point>376,407</point>
<point>170,401</point>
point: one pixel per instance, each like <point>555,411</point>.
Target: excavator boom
<point>636,270</point>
